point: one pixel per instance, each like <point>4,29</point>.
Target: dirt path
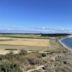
<point>37,68</point>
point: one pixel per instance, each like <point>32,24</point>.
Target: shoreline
<point>64,45</point>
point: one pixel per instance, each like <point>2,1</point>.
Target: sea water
<point>67,42</point>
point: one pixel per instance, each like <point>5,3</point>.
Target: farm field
<point>24,41</point>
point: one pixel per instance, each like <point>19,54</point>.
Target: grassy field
<point>33,55</point>
<point>24,36</point>
<point>24,41</point>
<point>54,59</point>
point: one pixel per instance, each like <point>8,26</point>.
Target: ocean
<point>67,42</point>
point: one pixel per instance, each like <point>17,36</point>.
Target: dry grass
<point>25,42</point>
<point>4,52</point>
<point>4,38</point>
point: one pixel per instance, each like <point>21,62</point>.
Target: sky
<point>36,15</point>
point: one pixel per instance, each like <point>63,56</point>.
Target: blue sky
<point>36,15</point>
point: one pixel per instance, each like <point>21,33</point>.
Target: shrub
<point>7,67</point>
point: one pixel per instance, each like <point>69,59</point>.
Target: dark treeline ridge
<point>41,34</point>
<point>55,35</point>
<point>20,33</point>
